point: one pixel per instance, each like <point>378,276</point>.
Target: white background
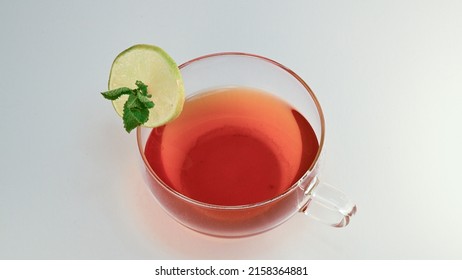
<point>387,73</point>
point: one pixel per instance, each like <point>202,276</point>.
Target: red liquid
<point>233,146</point>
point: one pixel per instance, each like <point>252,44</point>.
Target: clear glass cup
<point>308,195</point>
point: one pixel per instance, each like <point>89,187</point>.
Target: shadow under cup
<point>251,71</point>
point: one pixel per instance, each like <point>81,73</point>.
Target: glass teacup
<point>307,194</point>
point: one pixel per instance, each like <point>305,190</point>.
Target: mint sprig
<point>136,108</point>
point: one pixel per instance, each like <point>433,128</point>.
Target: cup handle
<point>327,204</point>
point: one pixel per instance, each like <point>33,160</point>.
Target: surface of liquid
<point>233,146</point>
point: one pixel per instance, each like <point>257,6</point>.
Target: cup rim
<point>260,203</point>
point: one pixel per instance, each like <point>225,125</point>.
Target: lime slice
<point>155,68</point>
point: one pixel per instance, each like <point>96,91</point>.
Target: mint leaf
<point>133,102</point>
<point>134,117</point>
<point>116,93</point>
<point>142,87</point>
<point>146,101</point>
<point>136,108</point>
<point>135,113</point>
